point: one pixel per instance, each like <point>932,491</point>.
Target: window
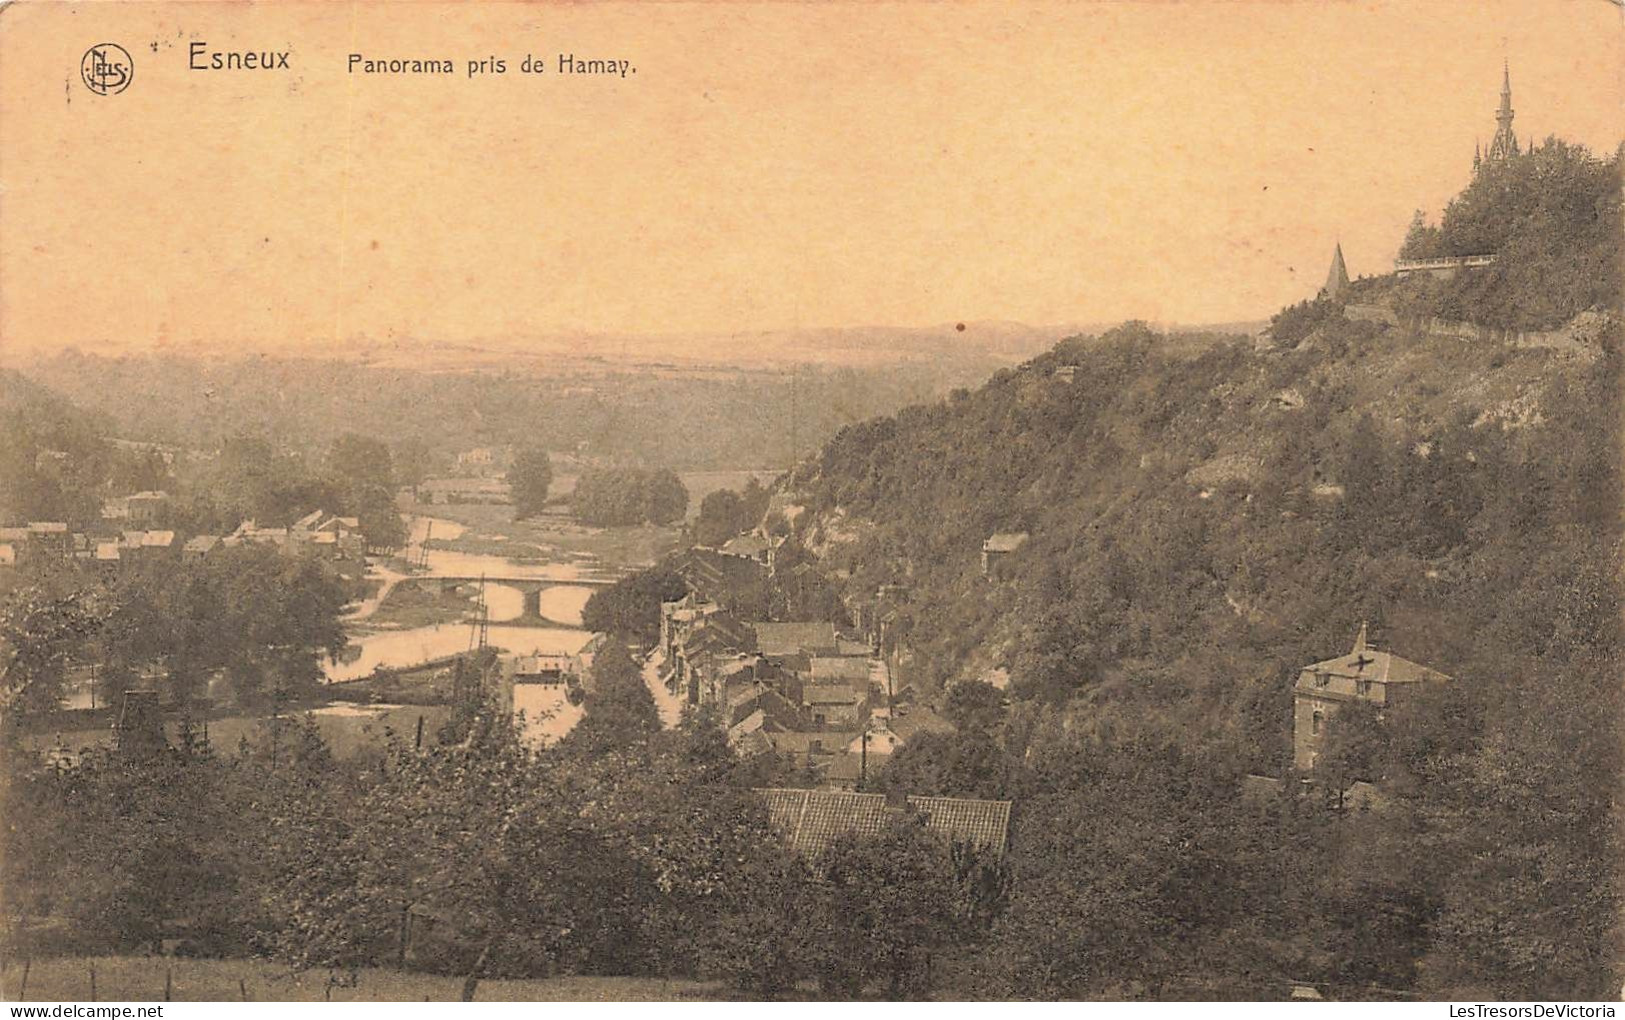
<point>1322,678</point>
<point>1362,687</point>
<point>1314,723</point>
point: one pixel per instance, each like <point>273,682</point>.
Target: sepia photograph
<point>662,502</point>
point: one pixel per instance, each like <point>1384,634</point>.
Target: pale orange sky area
<point>766,167</point>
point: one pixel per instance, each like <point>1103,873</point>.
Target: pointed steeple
<point>1337,278</point>
<point>1505,144</point>
<point>1360,642</point>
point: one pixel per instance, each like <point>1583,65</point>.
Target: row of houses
<point>803,690</point>
<point>111,549</point>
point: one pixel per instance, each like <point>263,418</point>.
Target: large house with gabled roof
<point>1366,674</point>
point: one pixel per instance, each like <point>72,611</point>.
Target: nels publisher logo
<point>107,69</point>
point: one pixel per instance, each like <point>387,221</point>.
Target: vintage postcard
<point>787,501</point>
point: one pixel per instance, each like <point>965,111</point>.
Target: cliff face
<point>1203,520</point>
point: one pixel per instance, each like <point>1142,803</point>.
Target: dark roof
<point>790,638</point>
<point>715,576</point>
<point>812,819</point>
<point>845,766</point>
<point>981,823</point>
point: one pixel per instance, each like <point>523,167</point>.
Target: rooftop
<point>790,638</point>
<point>811,820</point>
<point>845,667</point>
<point>830,694</point>
<point>1367,663</point>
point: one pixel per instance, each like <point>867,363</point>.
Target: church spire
<point>1505,145</point>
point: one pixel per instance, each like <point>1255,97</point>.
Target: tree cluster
<point>1551,216</point>
<point>725,513</point>
<point>619,497</point>
<point>530,477</point>
<point>623,850</point>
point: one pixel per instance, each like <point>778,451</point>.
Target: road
<point>669,705</point>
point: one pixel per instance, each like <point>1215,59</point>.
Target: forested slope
<point>1203,525</point>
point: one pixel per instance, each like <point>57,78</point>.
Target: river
<point>398,649</point>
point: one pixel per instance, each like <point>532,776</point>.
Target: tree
<point>1421,240</point>
<point>411,459</point>
<point>360,462</point>
<point>885,906</point>
<point>38,634</point>
<point>631,606</point>
<point>666,497</point>
<point>1356,749</point>
<point>975,704</point>
<point>530,478</point>
<point>719,519</point>
<point>381,524</point>
<point>618,497</point>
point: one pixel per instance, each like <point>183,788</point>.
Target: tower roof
<point>1505,143</point>
<point>1337,278</point>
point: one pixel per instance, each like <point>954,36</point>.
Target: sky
<point>765,167</point>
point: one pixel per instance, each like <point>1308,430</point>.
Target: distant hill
<point>667,415</point>
<point>744,400</point>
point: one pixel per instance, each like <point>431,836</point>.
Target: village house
<point>814,749</point>
<point>145,508</point>
<point>721,578</point>
<point>1365,674</point>
<point>702,646</point>
<point>199,546</point>
<point>108,558</point>
<point>998,548</point>
<point>49,540</point>
<point>834,706</point>
<point>680,619</point>
<point>885,734</point>
<point>484,462</point>
<point>550,669</point>
<point>749,546</point>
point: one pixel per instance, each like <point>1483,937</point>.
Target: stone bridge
<point>529,587</point>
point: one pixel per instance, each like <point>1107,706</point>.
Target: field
<point>419,605</point>
<point>141,979</point>
<point>554,536</point>
<point>492,529</point>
